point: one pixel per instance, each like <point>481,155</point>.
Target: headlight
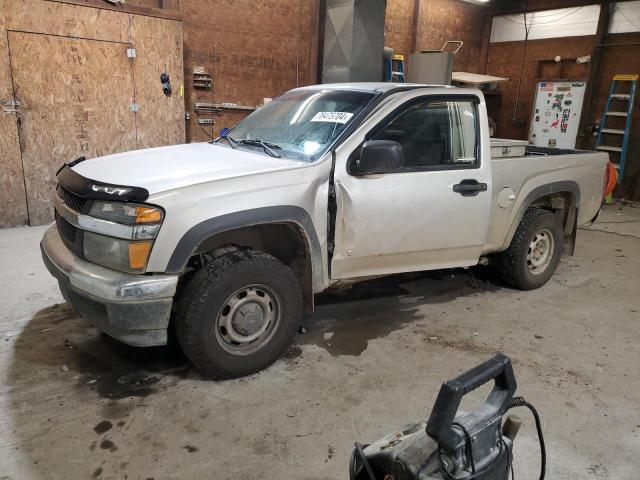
<point>126,213</point>
<point>124,244</point>
<point>124,255</point>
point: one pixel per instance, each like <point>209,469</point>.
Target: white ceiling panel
<point>625,17</point>
<point>562,22</point>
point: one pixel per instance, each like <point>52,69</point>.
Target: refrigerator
<point>556,114</point>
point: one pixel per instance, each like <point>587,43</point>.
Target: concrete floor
<point>74,404</point>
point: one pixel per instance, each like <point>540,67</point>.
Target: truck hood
<point>165,168</point>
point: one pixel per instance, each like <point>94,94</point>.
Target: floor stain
<point>346,321</point>
<point>107,444</point>
<point>97,362</point>
<point>291,354</point>
<point>103,427</point>
<point>330,452</point>
<point>116,371</point>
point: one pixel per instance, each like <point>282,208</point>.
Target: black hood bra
<point>96,190</point>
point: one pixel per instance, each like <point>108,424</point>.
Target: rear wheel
<point>238,314</point>
<point>534,252</point>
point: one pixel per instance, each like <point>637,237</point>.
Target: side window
<point>434,134</point>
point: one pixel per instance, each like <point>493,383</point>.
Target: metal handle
<point>469,187</point>
<point>440,424</point>
<point>459,42</point>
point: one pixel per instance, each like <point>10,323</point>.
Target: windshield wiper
<point>266,146</point>
<point>230,140</point>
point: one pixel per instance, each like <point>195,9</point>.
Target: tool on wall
<point>215,108</point>
<point>201,79</point>
<point>166,83</point>
<point>626,113</point>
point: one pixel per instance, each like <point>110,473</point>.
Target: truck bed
<point>526,175</point>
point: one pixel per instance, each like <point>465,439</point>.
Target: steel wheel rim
<point>540,252</point>
<point>248,319</point>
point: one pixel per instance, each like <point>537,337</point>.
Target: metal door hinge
<point>131,52</point>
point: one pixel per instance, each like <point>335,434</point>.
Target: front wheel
<point>238,314</point>
<point>534,252</point>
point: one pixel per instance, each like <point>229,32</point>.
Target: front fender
<point>187,245</point>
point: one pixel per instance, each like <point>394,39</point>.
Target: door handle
<point>469,187</point>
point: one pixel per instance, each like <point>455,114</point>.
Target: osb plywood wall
<point>13,207</point>
<point>68,66</point>
<point>252,50</point>
<point>160,119</point>
<point>62,115</point>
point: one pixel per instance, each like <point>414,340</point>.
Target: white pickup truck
<point>228,241</point>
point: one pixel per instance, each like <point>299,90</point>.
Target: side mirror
<point>377,156</point>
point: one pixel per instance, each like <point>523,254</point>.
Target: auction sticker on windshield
<point>333,117</point>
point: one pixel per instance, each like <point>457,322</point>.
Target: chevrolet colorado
<point>229,240</point>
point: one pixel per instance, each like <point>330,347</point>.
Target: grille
<point>68,231</point>
<point>71,236</point>
<point>72,200</point>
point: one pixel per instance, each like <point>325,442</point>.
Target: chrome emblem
<point>110,190</point>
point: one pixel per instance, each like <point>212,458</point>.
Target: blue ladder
<point>394,69</point>
<point>397,73</point>
<point>608,112</point>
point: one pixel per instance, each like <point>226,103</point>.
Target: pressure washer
<point>454,444</point>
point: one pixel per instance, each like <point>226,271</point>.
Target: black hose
<point>482,473</point>
<point>521,402</point>
<point>469,445</point>
<point>358,455</point>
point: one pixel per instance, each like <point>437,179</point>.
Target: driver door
<point>414,218</point>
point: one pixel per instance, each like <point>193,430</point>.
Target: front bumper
<point>132,308</point>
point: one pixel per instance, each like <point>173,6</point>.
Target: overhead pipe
<point>524,57</point>
<point>589,99</point>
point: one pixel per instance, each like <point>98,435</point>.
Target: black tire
<point>208,294</point>
<point>515,265</point>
